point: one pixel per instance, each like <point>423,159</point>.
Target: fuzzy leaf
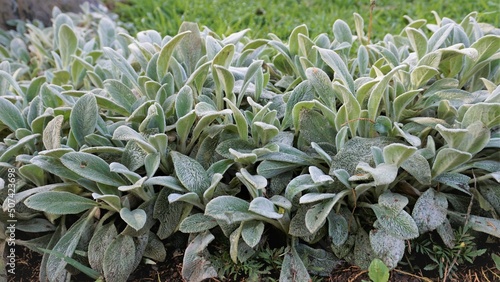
<point>264,207</point>
<point>52,133</point>
<point>229,208</point>
<point>135,219</point>
<point>91,167</point>
<point>430,210</point>
<point>401,226</point>
<point>387,247</point>
<point>190,173</point>
<point>196,266</point>
<point>83,118</point>
<point>10,115</point>
<point>102,238</point>
<point>293,269</point>
<point>66,245</point>
<point>338,229</point>
<point>393,201</point>
<point>252,232</point>
<point>68,43</point>
<point>59,202</point>
<point>119,259</point>
<point>334,61</point>
<point>448,159</point>
<point>418,166</point>
<point>197,223</point>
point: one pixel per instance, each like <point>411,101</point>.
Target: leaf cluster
<point>120,142</point>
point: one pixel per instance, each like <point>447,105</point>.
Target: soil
<point>27,270</point>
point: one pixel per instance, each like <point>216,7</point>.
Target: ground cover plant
<point>267,159</point>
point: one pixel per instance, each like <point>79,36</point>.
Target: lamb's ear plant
<point>120,141</point>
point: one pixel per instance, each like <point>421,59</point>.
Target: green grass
<point>281,16</point>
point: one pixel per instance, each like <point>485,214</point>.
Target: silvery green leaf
<point>66,245</point>
<point>430,210</point>
<point>126,133</point>
<point>224,56</point>
<point>166,181</point>
<point>106,32</point>
<point>312,126</point>
<point>448,159</point>
<point>196,265</point>
<point>33,173</point>
<point>102,238</point>
<point>376,95</point>
<point>251,232</point>
<point>387,247</point>
<point>397,154</point>
<point>456,180</point>
<point>190,173</point>
<point>14,149</point>
<point>197,223</point>
<point>264,207</point>
<point>393,201</point>
<point>318,261</point>
<point>315,197</point>
<point>421,75</point>
<point>168,214</point>
<point>120,93</point>
<point>418,41</point>
<point>184,125</point>
<point>52,133</point>
<point>383,174</point>
<point>155,249</point>
<point>54,166</point>
<point>446,233</point>
<point>152,163</point>
<point>302,92</point>
<point>487,113</point>
<point>472,139</point>
<point>123,65</point>
<point>59,202</point>
<point>293,268</point>
<point>322,85</point>
<point>317,214</point>
<point>120,168</point>
<point>121,247</point>
<point>10,115</point>
<point>486,225</point>
<point>342,32</point>
<point>135,218</point>
<point>184,101</point>
<point>357,150</point>
<point>91,167</point>
<point>418,167</point>
<point>297,185</point>
<point>439,37</point>
<point>486,46</point>
<point>401,226</point>
<point>68,43</point>
<point>256,182</point>
<point>166,52</point>
<point>402,101</point>
<point>112,200</point>
<point>270,169</point>
<point>293,42</point>
<point>343,176</point>
<point>83,118</point>
<point>338,229</point>
<point>318,176</point>
<point>229,209</point>
<point>334,61</point>
<point>190,198</point>
<point>363,252</point>
<point>281,201</point>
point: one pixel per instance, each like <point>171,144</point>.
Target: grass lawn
<point>281,16</point>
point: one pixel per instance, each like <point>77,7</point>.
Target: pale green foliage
<point>233,139</point>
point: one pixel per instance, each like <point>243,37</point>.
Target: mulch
<point>27,270</point>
